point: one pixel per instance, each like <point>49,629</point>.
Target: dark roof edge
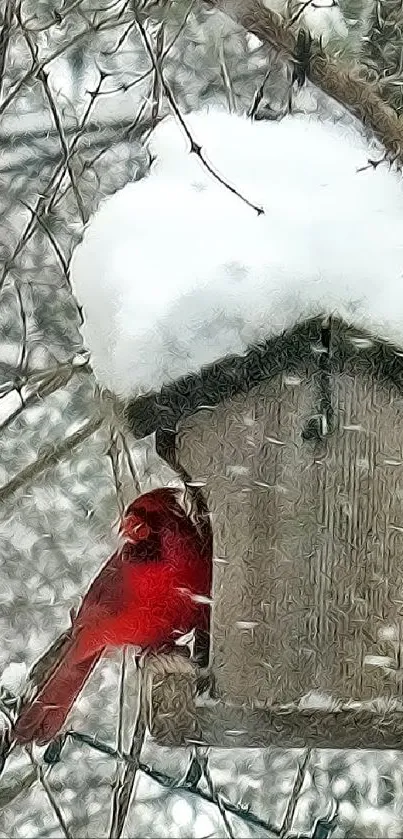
<point>295,351</point>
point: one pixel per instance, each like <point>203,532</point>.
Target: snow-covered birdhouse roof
<point>177,272</point>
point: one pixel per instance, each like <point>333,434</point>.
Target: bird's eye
<point>134,529</point>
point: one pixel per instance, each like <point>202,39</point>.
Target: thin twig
<point>113,454</point>
<point>227,79</point>
<point>188,784</point>
<point>5,38</point>
<point>170,783</point>
<point>157,91</point>
<point>42,386</point>
<point>215,796</point>
<point>21,780</point>
<point>89,164</point>
<point>117,787</point>
<point>124,787</point>
<point>298,14</point>
<point>347,83</point>
<point>104,25</point>
<point>293,801</point>
<point>43,77</point>
<point>60,173</point>
<point>123,670</point>
<point>121,40</point>
<point>51,798</point>
<point>164,53</point>
<point>124,781</point>
<point>195,148</point>
<point>52,240</point>
<point>133,471</point>
<point>21,366</point>
<point>94,127</point>
<point>48,197</point>
<point>179,30</point>
<point>258,96</point>
<point>53,455</point>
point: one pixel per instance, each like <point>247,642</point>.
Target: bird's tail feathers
<point>42,717</point>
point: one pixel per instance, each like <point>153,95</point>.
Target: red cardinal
<point>154,588</point>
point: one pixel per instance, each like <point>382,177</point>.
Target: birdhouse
<point>285,425</point>
<point>297,449</point>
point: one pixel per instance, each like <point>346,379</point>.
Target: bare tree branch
<point>104,25</point>
<point>43,77</point>
<point>133,471</point>
<point>293,800</point>
<point>53,241</point>
<point>125,785</point>
<point>21,367</point>
<point>227,79</point>
<point>49,195</point>
<point>202,759</point>
<point>41,776</point>
<point>157,91</point>
<point>53,455</point>
<point>258,96</point>
<point>114,457</point>
<point>195,148</point>
<point>348,84</point>
<point>5,33</point>
<point>188,784</point>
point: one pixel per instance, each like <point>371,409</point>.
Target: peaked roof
<point>311,346</point>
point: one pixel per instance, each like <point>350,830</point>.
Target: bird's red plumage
<point>148,593</point>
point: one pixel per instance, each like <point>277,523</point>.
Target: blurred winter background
<point>78,95</point>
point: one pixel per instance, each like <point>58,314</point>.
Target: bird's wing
<point>109,591</point>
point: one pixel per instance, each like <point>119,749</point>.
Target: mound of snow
<point>175,271</point>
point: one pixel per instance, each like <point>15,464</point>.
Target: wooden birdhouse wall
<point>299,451</point>
<point>308,538</point>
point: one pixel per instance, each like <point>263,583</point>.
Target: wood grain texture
<point>308,580</point>
<point>308,529</point>
<point>227,726</point>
